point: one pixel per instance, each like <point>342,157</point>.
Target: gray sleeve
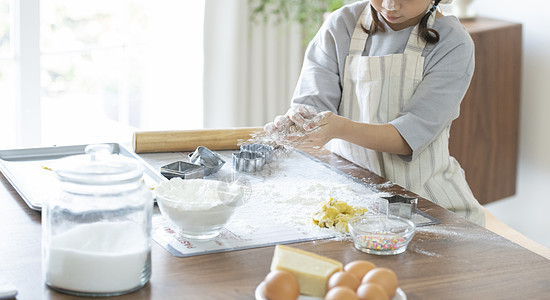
<point>320,83</point>
<point>436,102</point>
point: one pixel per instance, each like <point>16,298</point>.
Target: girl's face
<point>400,14</point>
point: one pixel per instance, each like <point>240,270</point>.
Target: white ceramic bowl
<point>198,208</point>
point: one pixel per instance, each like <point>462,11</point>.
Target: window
<point>106,68</point>
<point>7,74</point>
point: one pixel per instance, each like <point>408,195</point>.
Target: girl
<point>382,81</point>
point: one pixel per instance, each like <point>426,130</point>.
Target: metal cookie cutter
<point>401,206</point>
<point>248,162</point>
<point>211,161</point>
<point>261,148</point>
<point>182,169</point>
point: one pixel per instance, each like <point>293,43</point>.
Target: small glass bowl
<point>380,234</point>
<point>195,218</point>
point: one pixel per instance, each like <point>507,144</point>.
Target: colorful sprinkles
<point>382,241</point>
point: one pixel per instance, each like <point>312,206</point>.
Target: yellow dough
<point>336,214</point>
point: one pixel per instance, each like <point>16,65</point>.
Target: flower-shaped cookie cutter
<point>248,162</point>
<point>266,150</point>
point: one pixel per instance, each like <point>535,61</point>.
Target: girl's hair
<point>430,35</point>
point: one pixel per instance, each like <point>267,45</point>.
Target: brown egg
<point>281,285</point>
<point>341,293</point>
<point>384,277</point>
<point>371,291</point>
<point>343,279</point>
<point>359,268</point>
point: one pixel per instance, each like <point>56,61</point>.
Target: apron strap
<point>416,45</point>
<point>359,37</point>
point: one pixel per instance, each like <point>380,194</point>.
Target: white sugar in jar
<point>96,238</point>
<point>103,257</point>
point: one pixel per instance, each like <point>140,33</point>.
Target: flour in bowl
<point>198,194</point>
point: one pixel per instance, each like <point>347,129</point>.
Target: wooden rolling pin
<point>189,140</point>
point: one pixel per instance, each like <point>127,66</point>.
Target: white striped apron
<point>375,91</point>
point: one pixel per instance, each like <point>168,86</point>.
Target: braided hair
<point>430,35</point>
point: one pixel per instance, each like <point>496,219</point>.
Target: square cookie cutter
<point>211,161</point>
<point>183,170</point>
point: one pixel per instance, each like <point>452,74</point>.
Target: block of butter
<point>312,270</point>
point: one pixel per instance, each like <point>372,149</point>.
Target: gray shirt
<point>448,69</point>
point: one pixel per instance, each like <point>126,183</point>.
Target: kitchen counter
<point>453,260</point>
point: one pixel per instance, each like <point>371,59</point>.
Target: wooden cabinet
<point>484,139</point>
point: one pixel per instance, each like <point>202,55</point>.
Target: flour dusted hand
<point>288,129</point>
<point>294,121</point>
<point>317,131</point>
<point>301,126</point>
<point>301,115</point>
<point>281,125</point>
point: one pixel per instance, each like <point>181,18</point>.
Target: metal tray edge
<point>7,174</point>
<point>31,153</point>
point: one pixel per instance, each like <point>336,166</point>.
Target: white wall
<point>529,210</point>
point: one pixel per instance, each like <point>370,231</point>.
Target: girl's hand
<point>292,121</point>
<point>280,125</point>
<point>301,115</point>
<point>319,130</point>
<point>303,126</point>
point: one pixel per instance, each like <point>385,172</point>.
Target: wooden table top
<point>453,260</point>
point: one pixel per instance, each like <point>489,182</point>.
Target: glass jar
<point>96,235</point>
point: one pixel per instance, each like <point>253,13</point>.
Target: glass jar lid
<point>99,167</point>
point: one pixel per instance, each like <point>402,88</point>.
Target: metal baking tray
<point>30,172</point>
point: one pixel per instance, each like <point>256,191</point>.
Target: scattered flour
<point>419,250</point>
<point>290,191</point>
